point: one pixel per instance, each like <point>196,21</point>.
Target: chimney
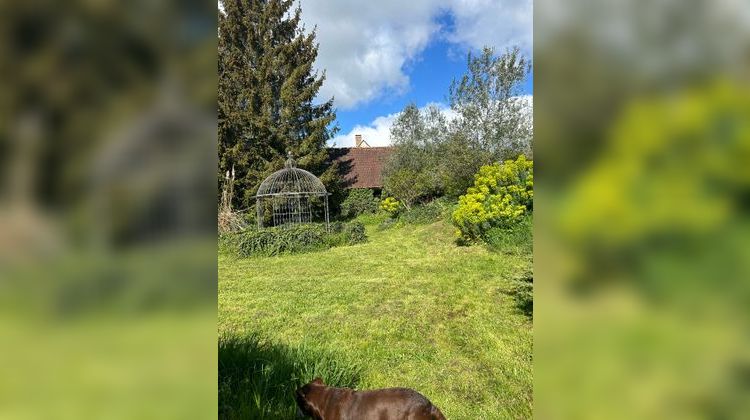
<point>358,140</point>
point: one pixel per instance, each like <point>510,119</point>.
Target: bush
<point>355,233</point>
<point>502,194</point>
<point>373,219</point>
<point>516,239</point>
<point>359,201</point>
<point>229,221</point>
<point>391,206</point>
<point>347,234</point>
<point>281,240</point>
<point>427,213</point>
<point>290,239</point>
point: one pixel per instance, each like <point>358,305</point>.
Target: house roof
<point>361,167</point>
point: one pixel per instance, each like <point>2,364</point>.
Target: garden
<point>436,298</point>
<point>423,281</point>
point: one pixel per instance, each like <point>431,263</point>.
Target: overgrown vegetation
<point>359,201</point>
<point>434,157</point>
<point>347,233</point>
<point>421,214</point>
<point>229,220</point>
<point>290,239</point>
<point>514,239</point>
<point>428,213</point>
<point>502,194</point>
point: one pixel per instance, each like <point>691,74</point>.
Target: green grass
<point>408,308</point>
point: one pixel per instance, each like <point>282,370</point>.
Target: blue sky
<point>430,75</point>
<point>381,55</point>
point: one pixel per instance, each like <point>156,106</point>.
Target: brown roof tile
<point>361,167</point>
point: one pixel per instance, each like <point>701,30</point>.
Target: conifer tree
<point>267,88</point>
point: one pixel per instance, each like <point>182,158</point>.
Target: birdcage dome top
<point>291,181</point>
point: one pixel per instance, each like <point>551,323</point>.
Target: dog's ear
<point>305,405</point>
<point>318,381</point>
<point>299,398</point>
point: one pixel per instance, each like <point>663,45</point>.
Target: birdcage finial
<point>290,163</point>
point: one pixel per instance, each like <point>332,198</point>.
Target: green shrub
<point>359,201</point>
<point>291,239</point>
<point>373,219</point>
<point>347,234</point>
<point>427,213</point>
<point>391,206</point>
<point>228,243</point>
<point>355,233</point>
<point>502,194</point>
<point>282,240</point>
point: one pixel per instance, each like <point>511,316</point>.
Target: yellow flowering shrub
<point>501,195</point>
<point>390,205</point>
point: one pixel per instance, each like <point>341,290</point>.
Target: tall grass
<point>516,239</point>
<point>420,214</point>
<point>290,239</point>
<point>431,212</point>
<point>257,378</point>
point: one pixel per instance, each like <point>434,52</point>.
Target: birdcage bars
<point>291,196</point>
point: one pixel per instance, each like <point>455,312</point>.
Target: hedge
<point>291,239</point>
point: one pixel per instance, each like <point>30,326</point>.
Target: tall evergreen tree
<point>266,90</point>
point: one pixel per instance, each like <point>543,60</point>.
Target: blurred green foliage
<point>107,241</point>
<point>641,221</point>
<point>673,177</point>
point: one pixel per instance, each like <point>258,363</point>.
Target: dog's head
<point>305,397</point>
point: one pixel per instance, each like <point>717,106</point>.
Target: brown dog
<point>323,402</point>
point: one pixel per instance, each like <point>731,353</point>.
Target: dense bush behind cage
<point>291,196</point>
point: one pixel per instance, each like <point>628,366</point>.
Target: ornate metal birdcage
<point>291,196</point>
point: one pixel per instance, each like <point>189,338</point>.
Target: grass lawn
<point>409,308</point>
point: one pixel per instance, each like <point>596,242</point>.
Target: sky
<point>381,55</point>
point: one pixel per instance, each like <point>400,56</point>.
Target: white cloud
<point>496,23</point>
<point>376,134</point>
<point>365,45</point>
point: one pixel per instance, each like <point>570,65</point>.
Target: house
<point>361,166</point>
